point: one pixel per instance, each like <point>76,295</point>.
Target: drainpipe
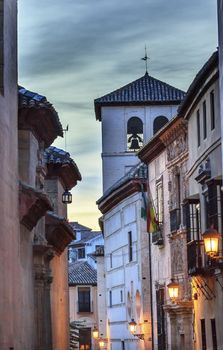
<point>151,290</point>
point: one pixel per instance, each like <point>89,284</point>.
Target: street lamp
<point>132,326</point>
<point>101,343</point>
<point>173,289</point>
<point>67,197</point>
<point>211,242</point>
<point>95,333</point>
<point>132,329</point>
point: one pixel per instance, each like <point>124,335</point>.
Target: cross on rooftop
<point>145,58</point>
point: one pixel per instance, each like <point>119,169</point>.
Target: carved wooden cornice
<point>58,232</point>
<point>33,205</point>
<point>125,190</point>
<point>174,131</point>
<point>41,122</point>
<point>68,174</point>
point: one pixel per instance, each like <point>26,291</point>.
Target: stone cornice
<point>58,232</point>
<point>125,190</point>
<point>33,205</point>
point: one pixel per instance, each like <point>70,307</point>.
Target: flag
<point>152,222</point>
<point>148,213</point>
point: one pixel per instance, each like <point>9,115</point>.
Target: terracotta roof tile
<point>81,272</point>
<point>143,90</point>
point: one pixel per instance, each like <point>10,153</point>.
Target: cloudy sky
<point>73,51</point>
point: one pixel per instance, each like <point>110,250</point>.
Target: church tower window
<point>134,134</point>
<point>158,123</point>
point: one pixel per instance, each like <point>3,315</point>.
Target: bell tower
<point>129,118</point>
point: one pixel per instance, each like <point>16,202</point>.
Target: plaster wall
<point>124,277</point>
<point>59,286</point>
<point>220,48</point>
<point>10,286</point>
<point>90,248</point>
<point>206,309</point>
<point>101,296</point>
<point>160,255</point>
<point>28,153</point>
<point>116,159</point>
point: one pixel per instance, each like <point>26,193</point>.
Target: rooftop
<point>145,90</point>
<point>81,273</point>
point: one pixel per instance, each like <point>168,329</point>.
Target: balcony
<point>157,237</point>
<point>195,260</point>
<point>175,220</point>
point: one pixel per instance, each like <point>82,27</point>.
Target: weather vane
<point>65,136</point>
<point>145,58</point>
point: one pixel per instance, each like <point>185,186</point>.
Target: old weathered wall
<point>10,295</point>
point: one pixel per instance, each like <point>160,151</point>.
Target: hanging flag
<point>148,213</point>
<point>152,222</point>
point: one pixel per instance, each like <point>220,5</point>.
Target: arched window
<point>158,123</point>
<point>134,134</point>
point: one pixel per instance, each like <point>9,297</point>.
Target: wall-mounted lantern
<point>67,197</point>
<point>132,329</point>
<point>95,333</point>
<point>101,343</point>
<point>211,242</point>
<point>132,326</point>
<point>173,289</point>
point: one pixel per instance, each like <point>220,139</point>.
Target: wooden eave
<point>165,136</point>
<point>32,206</point>
<point>115,197</point>
<point>58,232</point>
<point>41,122</point>
<point>67,172</point>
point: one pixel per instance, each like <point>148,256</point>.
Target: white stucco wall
<point>116,159</point>
<point>124,276</point>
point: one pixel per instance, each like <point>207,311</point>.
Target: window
<point>110,260</point>
<point>1,46</point>
<point>204,120</point>
<point>198,129</point>
<point>130,245</point>
<point>134,134</point>
<point>84,302</point>
<point>158,123</point>
<point>191,219</point>
<point>214,334</point>
<point>212,110</point>
<point>215,205</point>
<point>110,298</point>
<point>81,253</point>
<point>121,296</point>
<point>203,335</point>
<point>159,200</point>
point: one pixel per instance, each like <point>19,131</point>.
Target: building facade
<point>201,108</point>
<point>167,157</point>
<point>130,116</point>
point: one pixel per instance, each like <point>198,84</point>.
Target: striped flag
<point>149,214</point>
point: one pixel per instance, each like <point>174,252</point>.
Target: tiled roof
<point>29,99</point>
<point>138,171</point>
<point>81,272</point>
<point>144,90</point>
<point>58,156</point>
<point>78,227</point>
